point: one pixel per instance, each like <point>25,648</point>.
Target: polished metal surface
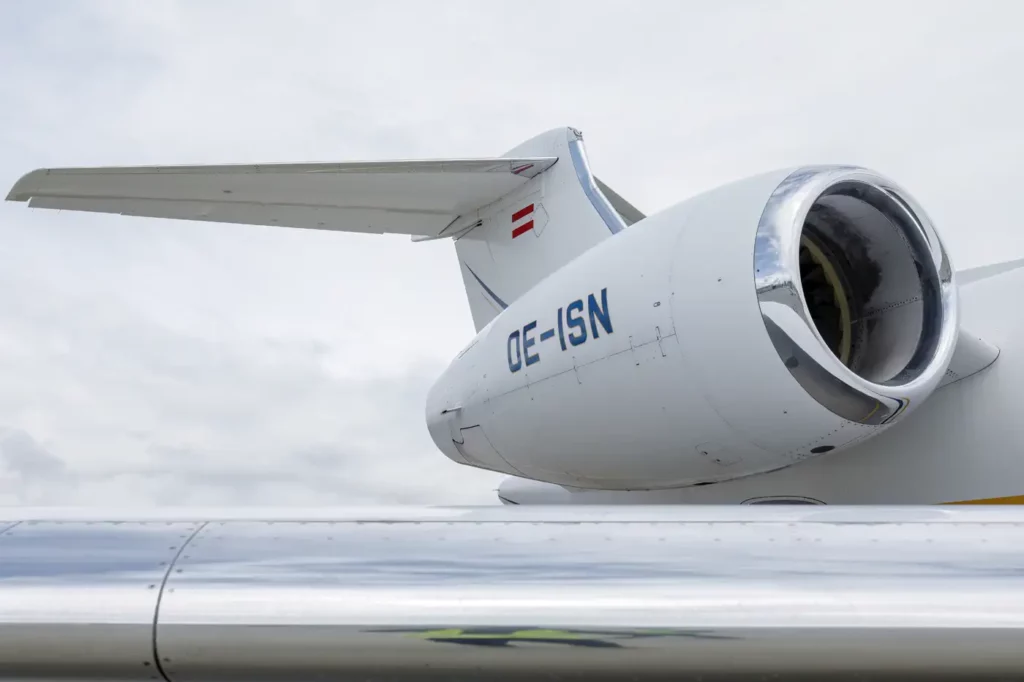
<point>895,310</point>
<point>79,598</point>
<point>505,593</point>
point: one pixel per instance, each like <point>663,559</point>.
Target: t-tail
<point>515,218</point>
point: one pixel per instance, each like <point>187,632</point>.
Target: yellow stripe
<point>1013,499</point>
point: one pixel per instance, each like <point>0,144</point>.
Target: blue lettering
<point>577,323</point>
<point>561,330</point>
<point>573,317</point>
<point>601,313</point>
<point>514,366</point>
<point>527,342</point>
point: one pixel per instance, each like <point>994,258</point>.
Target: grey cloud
<point>180,419</point>
<point>29,472</point>
<point>25,458</point>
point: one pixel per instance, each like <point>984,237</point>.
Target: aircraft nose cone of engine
<point>442,413</point>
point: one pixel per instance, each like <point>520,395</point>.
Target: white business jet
<point>799,336</point>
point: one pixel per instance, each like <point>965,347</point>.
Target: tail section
<point>508,246</point>
<point>515,218</point>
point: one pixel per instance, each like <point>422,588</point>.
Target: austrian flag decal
<point>522,221</point>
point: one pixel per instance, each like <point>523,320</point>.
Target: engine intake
<point>856,291</point>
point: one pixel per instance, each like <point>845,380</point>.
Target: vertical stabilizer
<point>510,245</point>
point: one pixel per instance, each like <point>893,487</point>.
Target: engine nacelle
<point>743,330</point>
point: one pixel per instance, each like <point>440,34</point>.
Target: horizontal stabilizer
<point>396,197</point>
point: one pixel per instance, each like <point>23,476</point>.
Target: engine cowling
<point>743,330</point>
<point>856,292</point>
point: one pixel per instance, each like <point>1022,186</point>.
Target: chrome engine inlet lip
<point>787,316</point>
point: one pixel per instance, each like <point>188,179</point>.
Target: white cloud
<point>174,362</point>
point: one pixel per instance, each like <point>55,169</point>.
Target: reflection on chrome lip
<point>782,302</point>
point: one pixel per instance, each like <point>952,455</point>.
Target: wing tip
<point>24,189</point>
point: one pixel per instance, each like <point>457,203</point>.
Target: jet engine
<point>780,317</point>
<point>855,291</point>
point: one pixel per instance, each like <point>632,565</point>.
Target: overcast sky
<point>154,362</point>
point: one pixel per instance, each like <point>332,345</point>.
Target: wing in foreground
<point>516,594</point>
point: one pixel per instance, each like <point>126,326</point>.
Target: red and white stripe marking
<point>522,221</point>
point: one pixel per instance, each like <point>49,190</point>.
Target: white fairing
<point>646,363</point>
